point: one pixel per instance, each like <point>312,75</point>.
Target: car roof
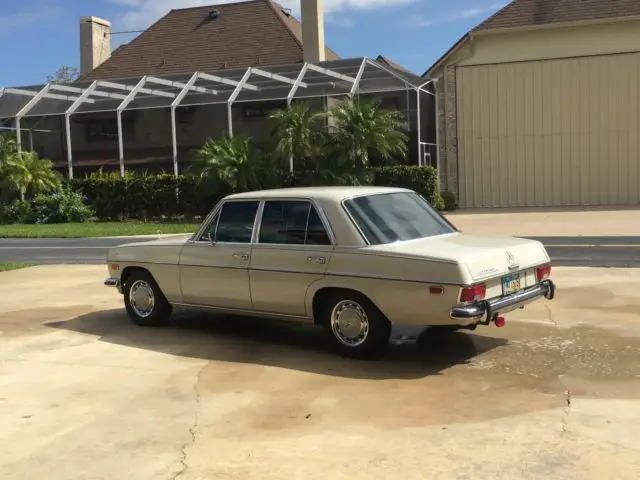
<point>325,193</point>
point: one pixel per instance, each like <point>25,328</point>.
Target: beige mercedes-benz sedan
<point>354,260</point>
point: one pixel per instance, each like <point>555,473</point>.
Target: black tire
<point>160,310</point>
<point>376,339</point>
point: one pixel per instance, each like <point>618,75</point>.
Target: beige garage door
<point>547,133</point>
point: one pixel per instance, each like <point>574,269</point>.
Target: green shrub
<point>64,206</point>
<point>449,200</point>
<point>423,180</point>
<point>19,211</point>
<point>163,196</point>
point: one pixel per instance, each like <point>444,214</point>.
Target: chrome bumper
<point>485,311</point>
<point>113,282</point>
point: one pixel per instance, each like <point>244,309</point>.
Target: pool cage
<point>340,78</point>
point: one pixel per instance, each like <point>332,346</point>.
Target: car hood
<point>484,256</point>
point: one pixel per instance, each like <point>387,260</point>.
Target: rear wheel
<point>144,301</point>
<point>354,326</point>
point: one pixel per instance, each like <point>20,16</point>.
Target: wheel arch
<point>129,270</point>
<point>322,292</point>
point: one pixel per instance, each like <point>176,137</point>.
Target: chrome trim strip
<point>490,308</point>
<point>249,313</point>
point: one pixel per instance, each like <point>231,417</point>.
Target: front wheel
<point>354,326</point>
<point>144,301</point>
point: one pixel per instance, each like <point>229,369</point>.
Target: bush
<point>163,196</point>
<point>423,180</point>
<point>64,206</point>
<point>18,211</point>
<point>449,199</point>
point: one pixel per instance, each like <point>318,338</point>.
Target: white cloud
<point>140,14</point>
<point>338,20</point>
<point>423,21</point>
<point>13,21</point>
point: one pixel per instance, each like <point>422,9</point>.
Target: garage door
<point>550,133</point>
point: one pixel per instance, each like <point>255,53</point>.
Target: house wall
<point>512,47</point>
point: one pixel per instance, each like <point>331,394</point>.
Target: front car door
<point>214,267</point>
<point>292,251</point>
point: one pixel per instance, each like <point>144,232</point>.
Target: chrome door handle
<point>241,256</point>
<point>320,260</point>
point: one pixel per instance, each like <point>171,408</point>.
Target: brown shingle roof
<point>387,61</point>
<point>531,13</point>
<point>249,33</point>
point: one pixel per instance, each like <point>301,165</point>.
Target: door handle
<point>320,260</point>
<point>241,256</point>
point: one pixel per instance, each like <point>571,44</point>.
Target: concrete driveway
<point>86,395</point>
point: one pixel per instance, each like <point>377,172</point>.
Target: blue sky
<point>38,36</point>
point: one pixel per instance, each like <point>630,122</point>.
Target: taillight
<point>474,293</point>
<point>543,272</point>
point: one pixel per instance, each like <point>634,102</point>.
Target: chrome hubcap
<point>349,323</point>
<point>141,298</point>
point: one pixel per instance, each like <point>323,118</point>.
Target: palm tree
<point>296,132</point>
<point>361,127</point>
<point>232,161</point>
<point>8,146</point>
<point>29,173</point>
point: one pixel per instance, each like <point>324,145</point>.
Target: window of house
<point>236,222</point>
<point>292,223</point>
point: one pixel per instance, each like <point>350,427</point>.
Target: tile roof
<point>531,13</point>
<point>248,33</point>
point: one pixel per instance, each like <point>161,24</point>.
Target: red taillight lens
<point>543,272</point>
<point>472,294</point>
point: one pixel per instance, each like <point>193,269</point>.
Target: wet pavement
<point>86,394</point>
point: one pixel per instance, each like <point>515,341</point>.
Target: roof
<point>249,33</point>
<point>390,63</point>
<point>537,13</point>
<point>532,13</point>
<point>335,194</point>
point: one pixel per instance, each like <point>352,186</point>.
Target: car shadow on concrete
<point>287,345</point>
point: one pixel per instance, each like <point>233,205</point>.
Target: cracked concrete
<point>193,429</point>
<point>84,394</point>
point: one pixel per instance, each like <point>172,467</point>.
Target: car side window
<point>316,233</point>
<point>236,222</point>
<point>294,222</point>
<point>210,232</point>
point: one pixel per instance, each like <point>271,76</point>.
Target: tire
<point>367,339</point>
<point>153,315</point>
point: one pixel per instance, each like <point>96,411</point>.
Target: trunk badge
<point>512,261</point>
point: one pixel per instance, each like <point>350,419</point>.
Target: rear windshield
<point>396,217</point>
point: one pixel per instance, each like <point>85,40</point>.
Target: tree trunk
<point>22,194</point>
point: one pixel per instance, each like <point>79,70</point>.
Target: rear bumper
<point>485,311</point>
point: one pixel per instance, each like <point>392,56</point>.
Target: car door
<point>214,268</point>
<point>292,251</point>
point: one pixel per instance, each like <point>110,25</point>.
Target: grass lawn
<point>93,229</point>
<point>5,267</point>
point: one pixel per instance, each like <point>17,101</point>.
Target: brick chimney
<point>313,30</point>
<point>95,43</point>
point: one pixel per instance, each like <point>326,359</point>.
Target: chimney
<point>313,30</point>
<point>95,43</point>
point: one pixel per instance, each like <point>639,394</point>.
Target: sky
<point>39,36</point>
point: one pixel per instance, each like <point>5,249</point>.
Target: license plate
<point>511,283</point>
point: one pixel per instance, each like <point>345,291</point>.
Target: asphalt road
<point>623,252</point>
